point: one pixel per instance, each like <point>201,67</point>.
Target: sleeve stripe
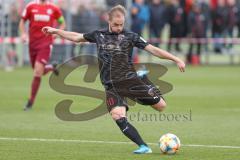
<point>61,20</point>
<point>143,40</point>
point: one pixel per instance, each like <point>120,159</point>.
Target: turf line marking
<point>107,142</point>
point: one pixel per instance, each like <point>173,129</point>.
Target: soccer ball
<point>169,143</point>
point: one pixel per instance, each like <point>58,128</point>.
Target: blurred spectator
<point>196,21</point>
<point>3,22</point>
<point>158,19</point>
<point>176,22</point>
<point>219,24</point>
<point>59,51</point>
<point>112,3</point>
<point>204,4</point>
<point>78,25</point>
<point>14,20</point>
<point>140,16</point>
<point>103,18</point>
<point>238,18</point>
<point>232,19</point>
<point>9,22</point>
<point>85,21</point>
<point>73,5</point>
<point>90,21</point>
<point>82,15</point>
<point>213,4</point>
<point>187,5</point>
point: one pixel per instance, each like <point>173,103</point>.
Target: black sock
<point>130,131</point>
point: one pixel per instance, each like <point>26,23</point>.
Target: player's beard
<point>111,30</point>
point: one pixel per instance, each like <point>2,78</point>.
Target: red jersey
<point>188,5</point>
<point>39,16</point>
<point>213,4</point>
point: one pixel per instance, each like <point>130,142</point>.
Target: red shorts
<point>41,55</point>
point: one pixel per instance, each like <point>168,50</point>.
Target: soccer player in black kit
<point>115,45</point>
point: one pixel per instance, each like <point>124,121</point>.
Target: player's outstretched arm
<point>22,30</point>
<point>165,55</point>
<point>72,36</point>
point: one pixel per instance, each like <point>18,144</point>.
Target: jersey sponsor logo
<point>49,11</point>
<point>41,17</point>
<point>34,11</point>
<point>110,47</point>
<point>120,37</point>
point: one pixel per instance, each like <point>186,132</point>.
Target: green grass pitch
<point>212,94</point>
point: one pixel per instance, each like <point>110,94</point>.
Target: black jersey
<point>115,53</point>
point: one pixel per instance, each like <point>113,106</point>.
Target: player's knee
<point>116,116</point>
<point>118,113</point>
<point>38,73</point>
<point>38,69</point>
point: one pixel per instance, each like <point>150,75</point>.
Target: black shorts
<point>140,90</point>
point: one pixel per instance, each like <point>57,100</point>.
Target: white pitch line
<point>107,142</point>
<point>211,146</point>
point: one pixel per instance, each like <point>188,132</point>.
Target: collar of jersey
<point>110,32</point>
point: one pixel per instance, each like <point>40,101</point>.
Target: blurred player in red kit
<point>39,13</point>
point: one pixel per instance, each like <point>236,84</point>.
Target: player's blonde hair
<point>118,8</point>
